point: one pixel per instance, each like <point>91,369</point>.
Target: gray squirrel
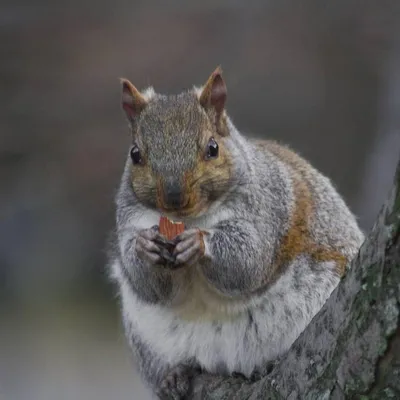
<point>266,240</point>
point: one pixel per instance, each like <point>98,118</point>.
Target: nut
<point>170,229</point>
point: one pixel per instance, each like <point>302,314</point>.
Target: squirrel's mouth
<point>181,212</point>
<point>188,211</point>
<point>187,207</point>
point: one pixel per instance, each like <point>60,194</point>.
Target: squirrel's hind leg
<point>177,381</point>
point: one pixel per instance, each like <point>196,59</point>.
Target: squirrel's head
<point>179,159</point>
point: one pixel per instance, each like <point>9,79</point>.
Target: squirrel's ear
<point>214,92</point>
<point>132,100</point>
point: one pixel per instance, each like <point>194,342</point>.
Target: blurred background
<point>323,77</point>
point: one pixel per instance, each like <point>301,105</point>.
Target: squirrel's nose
<point>173,197</point>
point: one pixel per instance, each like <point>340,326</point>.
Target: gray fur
<point>220,313</point>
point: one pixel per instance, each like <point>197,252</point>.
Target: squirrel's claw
<point>166,247</point>
<point>189,248</point>
<point>147,249</point>
<point>186,249</point>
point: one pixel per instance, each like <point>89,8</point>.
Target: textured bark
<point>351,349</point>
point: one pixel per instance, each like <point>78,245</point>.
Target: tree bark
<point>351,349</point>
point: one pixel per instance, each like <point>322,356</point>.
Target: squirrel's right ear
<point>132,100</point>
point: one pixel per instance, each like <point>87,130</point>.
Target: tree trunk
<point>351,349</point>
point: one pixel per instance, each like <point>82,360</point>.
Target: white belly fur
<point>281,314</point>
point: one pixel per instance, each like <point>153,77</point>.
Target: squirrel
<point>267,238</point>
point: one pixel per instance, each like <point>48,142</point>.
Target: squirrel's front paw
<point>189,247</point>
<point>148,247</point>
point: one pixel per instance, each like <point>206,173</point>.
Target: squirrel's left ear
<point>214,92</point>
<point>132,100</point>
<point>213,96</point>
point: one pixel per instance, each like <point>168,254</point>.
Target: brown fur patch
<point>209,176</point>
<point>298,240</point>
<point>144,184</point>
<point>201,240</point>
<point>160,193</point>
<point>325,254</point>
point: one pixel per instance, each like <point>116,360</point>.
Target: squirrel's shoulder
<point>283,153</point>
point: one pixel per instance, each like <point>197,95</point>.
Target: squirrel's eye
<point>212,149</point>
<point>135,155</point>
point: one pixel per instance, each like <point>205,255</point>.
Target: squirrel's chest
<point>199,301</point>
